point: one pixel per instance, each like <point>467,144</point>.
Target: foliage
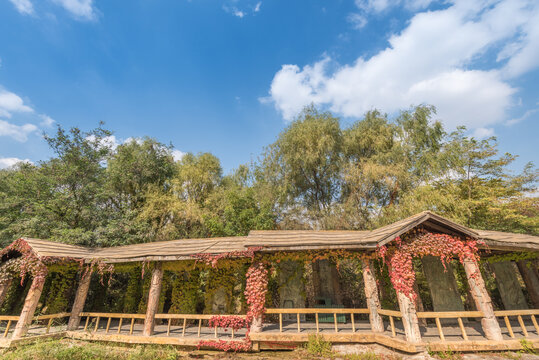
<point>75,350</point>
<point>418,244</point>
<point>184,295</point>
<point>317,346</point>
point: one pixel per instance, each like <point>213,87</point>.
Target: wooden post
<point>530,279</point>
<point>4,288</point>
<point>30,303</point>
<point>153,299</point>
<point>80,299</point>
<point>371,294</point>
<point>409,318</point>
<point>482,301</point>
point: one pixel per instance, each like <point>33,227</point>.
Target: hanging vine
<point>419,243</point>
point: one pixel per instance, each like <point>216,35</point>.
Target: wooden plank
<point>49,323</point>
<point>392,324</point>
<point>298,319</point>
<point>132,325</point>
<point>7,328</point>
<point>86,325</point>
<point>440,330</point>
<point>320,311</point>
<point>199,326</point>
<point>317,328</point>
<point>168,327</point>
<point>522,326</point>
<point>449,314</point>
<point>390,313</point>
<point>535,324</point>
<point>280,322</point>
<point>509,328</point>
<point>108,325</point>
<point>97,323</point>
<point>516,312</point>
<point>185,323</point>
<point>120,325</point>
<point>462,329</point>
<point>353,322</point>
<point>335,320</point>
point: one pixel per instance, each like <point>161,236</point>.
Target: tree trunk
<point>530,279</point>
<point>409,318</point>
<point>80,299</point>
<point>371,294</point>
<point>153,299</point>
<point>490,324</point>
<point>29,308</point>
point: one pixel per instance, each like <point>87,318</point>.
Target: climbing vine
<point>421,243</point>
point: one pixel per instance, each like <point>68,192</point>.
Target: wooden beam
<point>530,280</point>
<point>80,299</point>
<point>371,294</point>
<point>153,299</point>
<point>482,301</point>
<point>29,307</point>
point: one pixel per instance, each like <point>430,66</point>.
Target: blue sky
<point>228,76</point>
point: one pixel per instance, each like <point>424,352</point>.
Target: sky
<point>228,76</point>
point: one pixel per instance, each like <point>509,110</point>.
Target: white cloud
<point>483,133</point>
<point>257,6</point>
<point>430,61</point>
<point>10,161</point>
<point>10,103</point>
<point>378,6</point>
<point>358,21</point>
<point>19,133</point>
<point>238,13</point>
<point>23,6</point>
<point>177,154</point>
<point>46,121</point>
<point>81,9</point>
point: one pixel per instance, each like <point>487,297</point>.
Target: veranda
<point>445,305</point>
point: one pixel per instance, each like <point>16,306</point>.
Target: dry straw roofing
<point>275,240</point>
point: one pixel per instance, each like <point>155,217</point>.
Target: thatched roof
<point>277,240</point>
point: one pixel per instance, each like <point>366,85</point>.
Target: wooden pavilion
<point>410,327</point>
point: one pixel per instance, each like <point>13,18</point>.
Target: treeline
<point>318,174</point>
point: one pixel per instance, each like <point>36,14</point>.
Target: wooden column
<point>4,288</point>
<point>530,279</point>
<point>29,308</point>
<point>153,299</point>
<point>371,294</point>
<point>409,318</point>
<point>482,301</point>
<point>80,299</point>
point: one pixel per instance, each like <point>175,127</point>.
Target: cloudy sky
<point>227,76</point>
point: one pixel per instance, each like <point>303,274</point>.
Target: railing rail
<point>14,318</point>
<point>316,312</point>
<point>437,315</point>
<point>133,317</point>
<point>519,314</point>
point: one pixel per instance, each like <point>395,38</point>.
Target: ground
<point>65,349</point>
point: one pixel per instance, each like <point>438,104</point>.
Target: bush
<point>318,346</point>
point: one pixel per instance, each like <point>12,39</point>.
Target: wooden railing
<point>391,314</point>
<point>437,315</point>
<point>519,314</point>
<point>14,318</point>
<point>9,320</point>
<point>316,311</point>
<point>133,317</point>
<point>51,318</point>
